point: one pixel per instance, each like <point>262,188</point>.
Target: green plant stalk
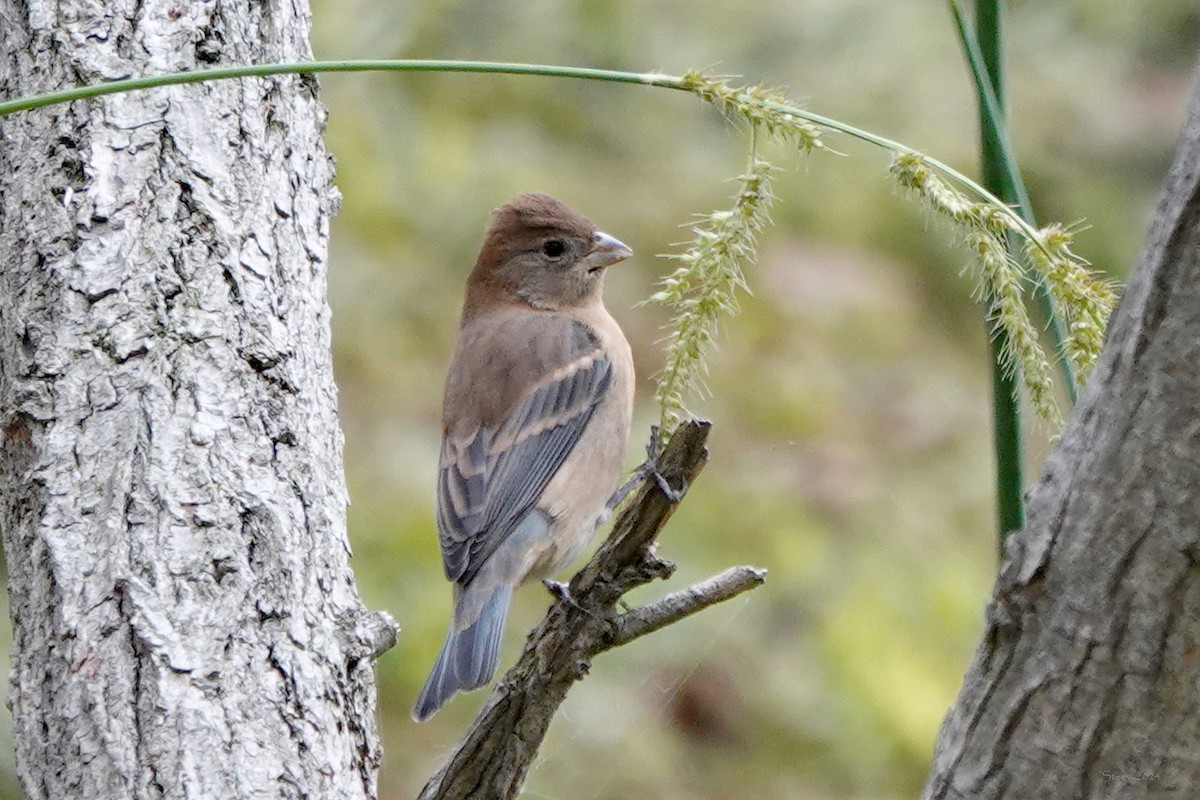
<point>485,67</point>
<point>1005,178</point>
<point>313,67</point>
<point>998,176</point>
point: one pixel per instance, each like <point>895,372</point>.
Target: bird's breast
<point>576,498</point>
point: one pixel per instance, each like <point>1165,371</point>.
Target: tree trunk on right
<point>1086,682</point>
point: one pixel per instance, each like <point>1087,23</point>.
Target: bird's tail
<point>468,658</point>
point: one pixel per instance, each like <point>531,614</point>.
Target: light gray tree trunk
<point>1087,683</point>
<point>171,492</point>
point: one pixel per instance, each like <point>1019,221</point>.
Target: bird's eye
<point>554,248</point>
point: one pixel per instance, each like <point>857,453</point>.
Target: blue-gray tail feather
<point>468,658</point>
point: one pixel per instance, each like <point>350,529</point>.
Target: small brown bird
<point>534,424</point>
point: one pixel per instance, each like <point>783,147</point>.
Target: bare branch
<point>368,635</point>
<point>494,756</point>
<point>674,607</point>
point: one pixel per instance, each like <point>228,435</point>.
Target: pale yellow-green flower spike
<point>1084,301</point>
<point>758,106</point>
<point>704,287</point>
<point>1003,281</point>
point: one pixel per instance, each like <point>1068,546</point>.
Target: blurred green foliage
<point>850,454</point>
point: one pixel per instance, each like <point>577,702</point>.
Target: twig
<point>674,607</point>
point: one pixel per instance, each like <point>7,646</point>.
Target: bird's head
<point>545,254</point>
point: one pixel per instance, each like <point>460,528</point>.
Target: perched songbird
<point>534,424</point>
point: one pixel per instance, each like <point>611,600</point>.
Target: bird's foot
<point>649,469</point>
<point>561,591</point>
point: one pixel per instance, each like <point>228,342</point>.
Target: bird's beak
<point>605,252</point>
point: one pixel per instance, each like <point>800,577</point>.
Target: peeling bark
<point>171,492</point>
<point>1086,683</point>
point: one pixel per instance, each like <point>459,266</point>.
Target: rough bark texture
<point>1086,683</point>
<point>491,761</point>
<point>171,490</point>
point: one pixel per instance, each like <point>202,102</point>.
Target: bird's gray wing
<point>490,477</point>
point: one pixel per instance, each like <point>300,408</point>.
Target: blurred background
<point>850,454</point>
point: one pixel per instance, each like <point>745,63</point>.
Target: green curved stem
<point>485,67</point>
<point>311,67</point>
